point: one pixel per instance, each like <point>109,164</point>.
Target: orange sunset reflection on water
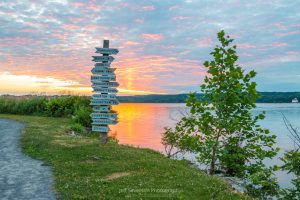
<point>141,124</point>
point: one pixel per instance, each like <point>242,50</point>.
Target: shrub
<point>63,106</point>
<point>77,128</point>
<point>82,116</point>
<point>29,106</point>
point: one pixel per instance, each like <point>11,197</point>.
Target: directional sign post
<point>104,88</point>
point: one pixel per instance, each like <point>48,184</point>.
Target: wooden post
<point>103,135</point>
<point>106,44</point>
<point>102,75</point>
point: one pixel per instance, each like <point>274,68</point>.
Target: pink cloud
<point>279,25</point>
<point>173,7</point>
<point>94,6</point>
<point>123,4</point>
<point>296,25</point>
<point>78,4</point>
<point>293,52</point>
<point>203,42</point>
<point>16,41</point>
<point>76,19</point>
<point>180,18</point>
<point>152,37</point>
<point>131,43</point>
<point>287,33</point>
<point>139,21</point>
<point>62,36</point>
<point>71,26</point>
<point>279,44</point>
<point>245,46</point>
<point>127,44</point>
<point>93,27</point>
<point>148,8</point>
<point>27,31</point>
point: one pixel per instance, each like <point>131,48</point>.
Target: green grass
<point>84,169</point>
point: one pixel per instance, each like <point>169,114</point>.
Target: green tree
<point>226,135</point>
<point>291,160</point>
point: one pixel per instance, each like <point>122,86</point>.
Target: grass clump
<point>84,169</point>
<point>82,116</point>
<point>77,128</point>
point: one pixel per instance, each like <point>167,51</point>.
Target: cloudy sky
<point>46,46</point>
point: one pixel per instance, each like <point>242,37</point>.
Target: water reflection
<point>142,124</point>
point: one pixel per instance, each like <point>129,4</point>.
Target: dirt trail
<point>21,177</point>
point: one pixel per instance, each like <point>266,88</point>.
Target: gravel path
<point>21,177</point>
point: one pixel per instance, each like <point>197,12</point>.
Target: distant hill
<point>265,97</point>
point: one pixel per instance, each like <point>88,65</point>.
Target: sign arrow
<point>104,96</point>
<point>104,102</point>
<point>103,78</point>
<point>101,108</point>
<point>106,90</point>
<point>106,50</point>
<point>103,58</point>
<point>103,115</point>
<point>109,71</point>
<point>104,65</point>
<point>103,121</point>
<point>105,84</point>
<point>100,128</point>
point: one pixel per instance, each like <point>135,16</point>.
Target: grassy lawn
<point>83,169</point>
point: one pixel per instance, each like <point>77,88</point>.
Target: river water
<point>141,125</point>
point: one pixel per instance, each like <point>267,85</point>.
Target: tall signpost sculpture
<point>104,91</point>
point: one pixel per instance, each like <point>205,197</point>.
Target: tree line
<point>264,97</point>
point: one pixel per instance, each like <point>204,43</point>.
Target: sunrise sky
<point>46,46</point>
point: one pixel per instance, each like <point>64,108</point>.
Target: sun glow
<point>24,84</point>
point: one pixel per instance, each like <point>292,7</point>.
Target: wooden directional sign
<point>103,121</point>
<point>104,102</point>
<point>105,65</point>
<point>105,84</point>
<point>101,108</point>
<point>106,51</point>
<point>102,68</point>
<point>103,78</point>
<point>106,90</point>
<point>100,128</point>
<point>103,58</point>
<point>109,71</point>
<point>103,115</point>
<point>104,96</point>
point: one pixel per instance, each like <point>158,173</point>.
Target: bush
<point>63,106</point>
<point>82,116</point>
<point>77,128</point>
<point>29,106</point>
<point>60,106</point>
<point>291,161</point>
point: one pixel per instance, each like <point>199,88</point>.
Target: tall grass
<point>76,107</point>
